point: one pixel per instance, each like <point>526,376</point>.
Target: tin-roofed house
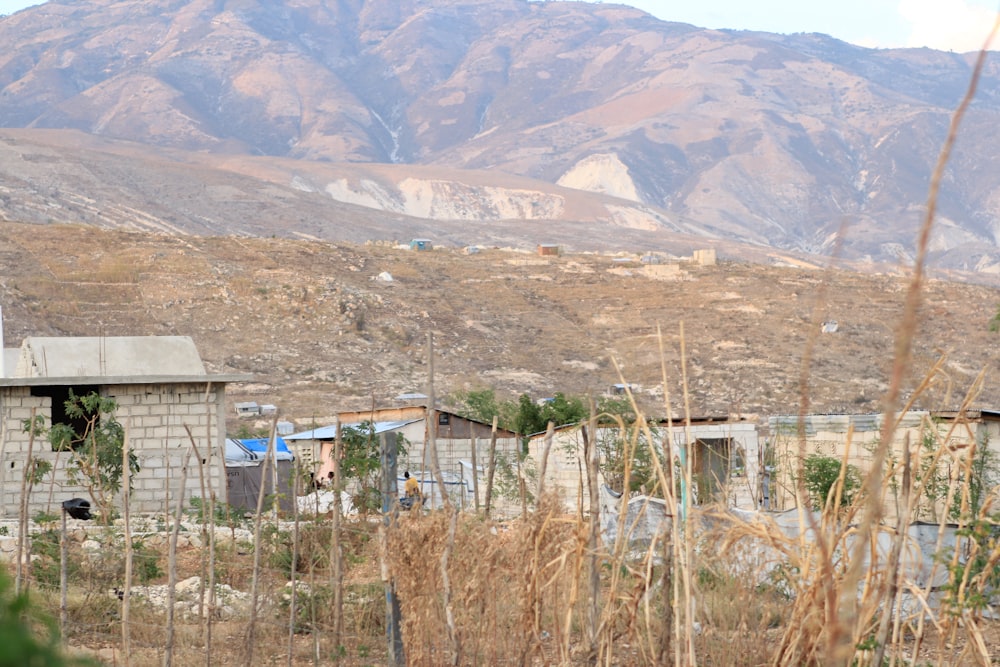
<point>164,396</point>
<point>462,445</point>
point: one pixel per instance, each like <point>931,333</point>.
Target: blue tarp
<point>254,449</point>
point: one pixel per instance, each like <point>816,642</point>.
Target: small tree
<point>820,474</point>
<point>360,463</point>
<point>96,449</point>
<point>622,430</point>
<point>524,416</point>
<point>481,405</point>
<point>995,321</point>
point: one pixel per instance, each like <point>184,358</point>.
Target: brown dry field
<point>320,334</point>
<point>512,587</point>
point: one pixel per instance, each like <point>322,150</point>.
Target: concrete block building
<point>725,455</point>
<point>855,437</point>
<point>165,401</point>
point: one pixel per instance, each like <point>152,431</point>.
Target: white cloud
<point>948,25</point>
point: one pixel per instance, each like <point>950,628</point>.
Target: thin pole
<point>336,554</point>
<point>63,556</point>
<point>272,448</point>
<point>475,469</point>
<point>493,466</point>
<point>432,425</point>
<point>168,655</point>
<point>593,459</point>
<point>127,593</point>
<point>390,500</point>
<point>251,634</point>
<point>293,607</point>
<point>22,524</point>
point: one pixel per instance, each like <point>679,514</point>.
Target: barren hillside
<point>321,332</point>
<point>462,113</point>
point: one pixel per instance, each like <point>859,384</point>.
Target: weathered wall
<point>858,436</point>
<point>155,417</point>
<point>565,469</point>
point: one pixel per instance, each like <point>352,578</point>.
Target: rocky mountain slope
<point>405,117</point>
<point>323,328</point>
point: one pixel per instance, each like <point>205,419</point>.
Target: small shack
<point>549,249</point>
<point>247,409</point>
<point>421,244</point>
<point>245,473</point>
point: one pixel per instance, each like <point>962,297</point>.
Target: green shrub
<point>27,638</point>
<point>820,474</point>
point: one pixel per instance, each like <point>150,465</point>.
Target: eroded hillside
<point>323,328</point>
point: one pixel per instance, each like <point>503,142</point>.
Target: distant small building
<point>247,409</point>
<point>268,409</point>
<point>705,257</point>
<point>725,455</point>
<point>458,442</point>
<point>622,389</point>
<point>549,249</point>
<point>246,474</point>
<point>854,438</point>
<point>421,244</point>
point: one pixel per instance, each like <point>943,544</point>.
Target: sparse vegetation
<point>550,588</point>
<point>830,480</point>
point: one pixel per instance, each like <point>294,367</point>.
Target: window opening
<point>59,394</point>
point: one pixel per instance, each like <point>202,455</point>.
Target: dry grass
<point>520,593</point>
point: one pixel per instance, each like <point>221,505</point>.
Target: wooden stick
<point>204,529</point>
<point>475,470</point>
<point>593,457</point>
<point>22,526</point>
<point>126,514</point>
<point>168,654</point>
<point>292,607</point>
<point>493,466</point>
<point>251,636</point>
<point>336,550</point>
<point>549,435</point>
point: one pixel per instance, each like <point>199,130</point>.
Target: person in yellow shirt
<point>411,488</point>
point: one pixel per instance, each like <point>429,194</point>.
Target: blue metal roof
<point>255,449</point>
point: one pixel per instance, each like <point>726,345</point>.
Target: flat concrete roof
<point>42,361</point>
<point>79,380</point>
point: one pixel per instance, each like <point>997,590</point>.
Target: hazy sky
<point>957,25</point>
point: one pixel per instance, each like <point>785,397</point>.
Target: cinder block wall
<point>157,419</point>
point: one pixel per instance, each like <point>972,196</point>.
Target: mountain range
<point>490,122</point>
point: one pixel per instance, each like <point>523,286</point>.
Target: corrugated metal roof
<point>330,432</point>
<point>865,423</point>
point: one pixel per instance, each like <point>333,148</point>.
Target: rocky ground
<point>326,327</point>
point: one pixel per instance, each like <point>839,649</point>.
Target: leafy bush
<point>27,638</point>
<point>820,474</point>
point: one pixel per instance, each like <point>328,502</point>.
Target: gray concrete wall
<point>155,417</point>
